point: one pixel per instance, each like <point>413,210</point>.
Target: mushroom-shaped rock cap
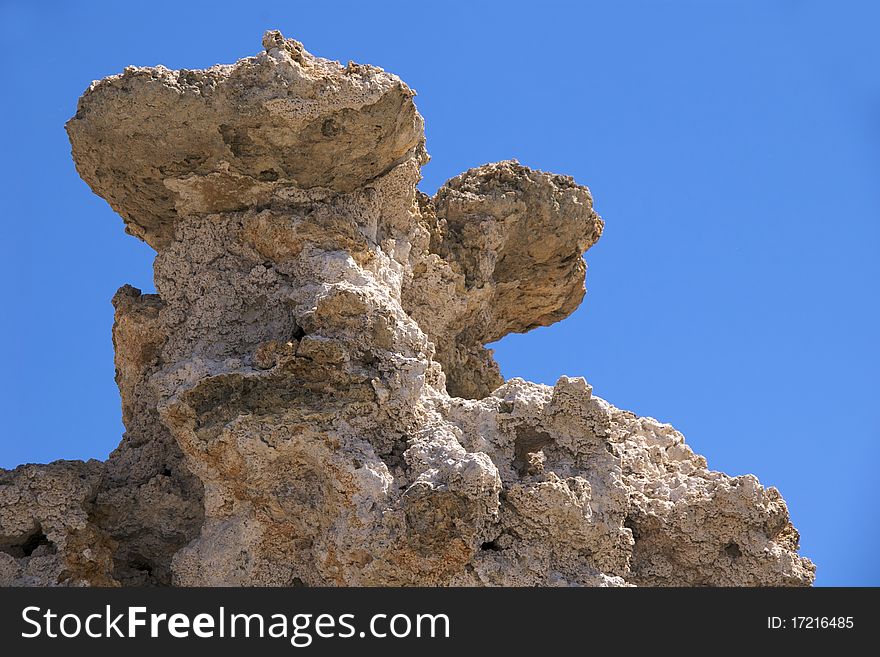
<point>506,242</point>
<point>518,234</point>
<point>222,138</point>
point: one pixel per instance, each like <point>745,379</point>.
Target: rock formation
<point>308,399</point>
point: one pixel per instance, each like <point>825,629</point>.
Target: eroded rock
<point>308,399</point>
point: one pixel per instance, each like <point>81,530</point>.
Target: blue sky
<point>733,149</point>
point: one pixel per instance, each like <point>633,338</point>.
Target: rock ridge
<point>308,399</point>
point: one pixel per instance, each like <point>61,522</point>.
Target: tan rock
<point>308,399</point>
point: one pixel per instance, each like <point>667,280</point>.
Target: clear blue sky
<point>733,149</point>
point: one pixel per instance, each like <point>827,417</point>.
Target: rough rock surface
<point>308,399</point>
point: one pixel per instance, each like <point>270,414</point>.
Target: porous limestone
<point>307,397</point>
